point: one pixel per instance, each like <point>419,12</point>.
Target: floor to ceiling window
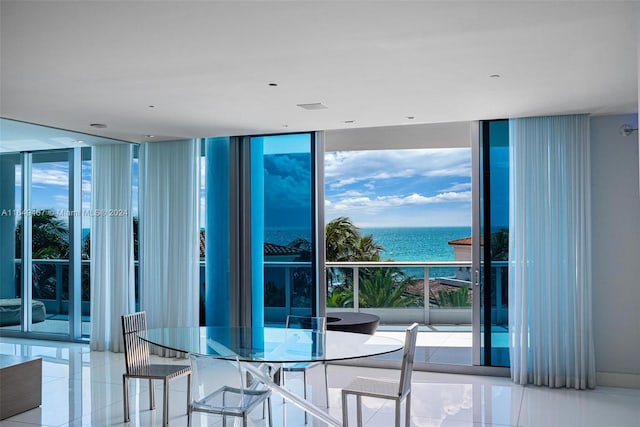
<point>399,213</point>
<point>260,233</point>
<point>11,242</point>
<point>50,239</point>
<point>287,237</point>
<point>494,242</point>
<point>45,219</point>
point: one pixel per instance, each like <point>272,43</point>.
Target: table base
<point>301,403</point>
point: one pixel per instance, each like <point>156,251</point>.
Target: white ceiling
<point>206,65</point>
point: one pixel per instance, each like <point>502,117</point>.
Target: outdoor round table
<point>348,321</point>
<point>273,345</point>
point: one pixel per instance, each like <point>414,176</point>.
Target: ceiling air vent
<point>314,106</point>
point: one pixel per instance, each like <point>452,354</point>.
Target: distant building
<point>462,249</point>
<point>462,252</point>
<point>272,252</point>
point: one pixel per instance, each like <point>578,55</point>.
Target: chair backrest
<point>209,374</point>
<point>316,324</point>
<point>410,338</point>
<point>136,350</point>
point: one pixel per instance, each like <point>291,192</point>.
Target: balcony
<point>445,319</point>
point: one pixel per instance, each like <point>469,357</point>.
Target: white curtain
<point>551,339</point>
<point>111,240</point>
<point>170,233</point>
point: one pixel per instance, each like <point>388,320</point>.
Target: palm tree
<point>346,244</point>
<point>500,245</point>
<point>369,249</point>
<point>343,240</point>
<point>385,287</point>
<point>49,240</point>
<point>49,236</point>
<point>379,287</point>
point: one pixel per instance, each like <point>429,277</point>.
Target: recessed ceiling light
<point>494,76</point>
<point>79,141</point>
<point>285,126</point>
<point>313,106</point>
<point>410,117</point>
<point>273,84</point>
<point>349,121</point>
<point>98,125</point>
<point>152,106</point>
<point>150,136</point>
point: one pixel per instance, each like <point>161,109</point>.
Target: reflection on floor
<point>53,325</point>
<point>83,388</point>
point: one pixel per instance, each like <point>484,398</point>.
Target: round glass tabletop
<point>271,344</point>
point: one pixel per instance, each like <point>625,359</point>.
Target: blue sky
<point>399,188</point>
<point>376,188</point>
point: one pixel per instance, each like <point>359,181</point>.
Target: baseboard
<point>614,379</point>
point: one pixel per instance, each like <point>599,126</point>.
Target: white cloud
<point>363,202</point>
<point>350,193</point>
<point>49,175</point>
<point>348,167</point>
<point>458,187</point>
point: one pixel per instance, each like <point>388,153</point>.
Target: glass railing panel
<point>390,287</point>
<point>340,287</point>
<point>288,290</point>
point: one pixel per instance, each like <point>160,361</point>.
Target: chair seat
<point>160,372</point>
<point>233,404</point>
<point>373,387</point>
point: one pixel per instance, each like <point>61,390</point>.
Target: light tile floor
<point>84,388</point>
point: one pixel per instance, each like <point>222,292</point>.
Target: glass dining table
<point>273,345</point>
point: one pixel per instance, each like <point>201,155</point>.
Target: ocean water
<point>400,243</point>
<point>417,243</point>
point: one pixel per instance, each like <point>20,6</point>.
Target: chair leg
<point>152,397</point>
<point>188,391</point>
<point>125,395</point>
<point>407,409</point>
<point>165,404</point>
<point>345,411</point>
<point>326,384</point>
<point>270,414</point>
<point>189,416</point>
<point>359,410</point>
<point>304,393</point>
<point>397,412</point>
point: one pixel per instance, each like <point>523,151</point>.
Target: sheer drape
<point>170,233</point>
<point>550,252</point>
<point>111,240</point>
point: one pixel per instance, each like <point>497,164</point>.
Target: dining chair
<point>317,325</point>
<point>386,389</point>
<point>136,356</point>
<point>220,387</point>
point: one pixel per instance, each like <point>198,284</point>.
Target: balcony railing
<point>426,286</point>
<point>288,289</point>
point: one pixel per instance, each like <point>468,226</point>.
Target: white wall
<point>615,207</point>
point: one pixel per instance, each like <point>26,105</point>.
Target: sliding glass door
<point>261,234</point>
<point>11,242</point>
<point>491,245</point>
<point>41,253</point>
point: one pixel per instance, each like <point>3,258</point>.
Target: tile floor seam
<point>524,390</point>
